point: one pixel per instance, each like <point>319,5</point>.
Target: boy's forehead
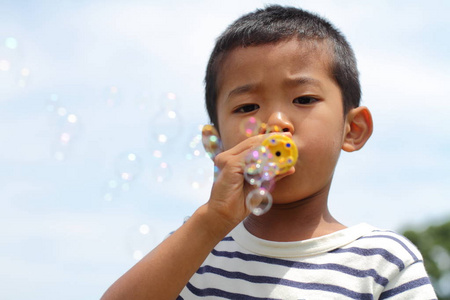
<point>316,52</point>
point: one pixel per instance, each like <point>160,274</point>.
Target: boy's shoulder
<point>386,243</point>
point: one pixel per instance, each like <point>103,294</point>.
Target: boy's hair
<point>274,24</point>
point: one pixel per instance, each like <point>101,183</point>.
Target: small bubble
<point>144,229</point>
<point>250,127</point>
<point>268,185</point>
<point>165,127</point>
<point>143,101</point>
<point>141,240</point>
<point>108,197</point>
<point>259,201</point>
<point>157,153</point>
<point>128,166</point>
<point>195,149</point>
<point>111,190</point>
<point>112,184</point>
<point>162,172</point>
<point>5,65</point>
<point>138,255</point>
<point>11,43</point>
<point>25,72</point>
<point>171,114</point>
<point>258,167</point>
<point>112,96</point>
<point>198,178</point>
<point>52,103</point>
<point>65,138</point>
<point>126,186</point>
<point>61,111</point>
<point>59,155</point>
<point>162,138</point>
<point>71,118</point>
<point>171,96</point>
<point>170,102</point>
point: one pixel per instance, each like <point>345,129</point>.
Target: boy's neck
<point>301,220</point>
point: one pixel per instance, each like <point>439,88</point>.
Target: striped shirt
<point>359,262</point>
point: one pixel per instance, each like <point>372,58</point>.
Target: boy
<point>293,70</point>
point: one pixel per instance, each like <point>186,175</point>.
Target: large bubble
<point>259,201</point>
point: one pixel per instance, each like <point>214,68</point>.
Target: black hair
<point>277,23</point>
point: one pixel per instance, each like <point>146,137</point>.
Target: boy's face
<point>287,84</point>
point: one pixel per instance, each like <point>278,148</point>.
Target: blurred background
<point>101,105</point>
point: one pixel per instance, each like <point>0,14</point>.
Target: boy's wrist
<point>214,223</point>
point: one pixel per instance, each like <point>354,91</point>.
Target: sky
<point>100,108</point>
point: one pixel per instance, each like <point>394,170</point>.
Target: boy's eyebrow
<point>290,82</point>
<point>241,90</point>
<point>302,81</point>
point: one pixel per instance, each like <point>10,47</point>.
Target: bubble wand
<point>276,155</point>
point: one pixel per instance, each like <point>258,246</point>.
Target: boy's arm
<point>165,271</point>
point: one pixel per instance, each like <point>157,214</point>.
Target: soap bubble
<point>11,43</point>
<point>5,65</point>
<point>141,240</point>
<point>211,141</point>
<point>270,170</point>
<point>128,166</point>
<point>111,190</point>
<point>70,127</point>
<point>170,102</point>
<point>112,96</point>
<point>250,126</point>
<point>161,172</point>
<point>68,130</point>
<point>165,127</point>
<point>268,185</point>
<point>24,77</point>
<point>53,103</point>
<point>114,188</point>
<point>195,148</point>
<point>11,64</point>
<point>60,148</point>
<point>143,101</point>
<point>257,167</point>
<point>259,201</point>
<point>252,173</point>
<point>199,178</point>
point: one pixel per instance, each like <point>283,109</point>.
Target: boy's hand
<point>230,189</point>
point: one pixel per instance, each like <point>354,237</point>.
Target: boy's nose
<point>278,121</point>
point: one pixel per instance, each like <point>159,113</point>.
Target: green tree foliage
<point>434,244</point>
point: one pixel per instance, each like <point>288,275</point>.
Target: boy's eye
<point>246,108</point>
<point>305,100</point>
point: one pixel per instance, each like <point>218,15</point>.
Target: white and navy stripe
<point>374,265</point>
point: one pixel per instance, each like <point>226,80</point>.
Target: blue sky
<point>104,73</point>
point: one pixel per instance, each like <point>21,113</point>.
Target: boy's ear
<point>358,128</point>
